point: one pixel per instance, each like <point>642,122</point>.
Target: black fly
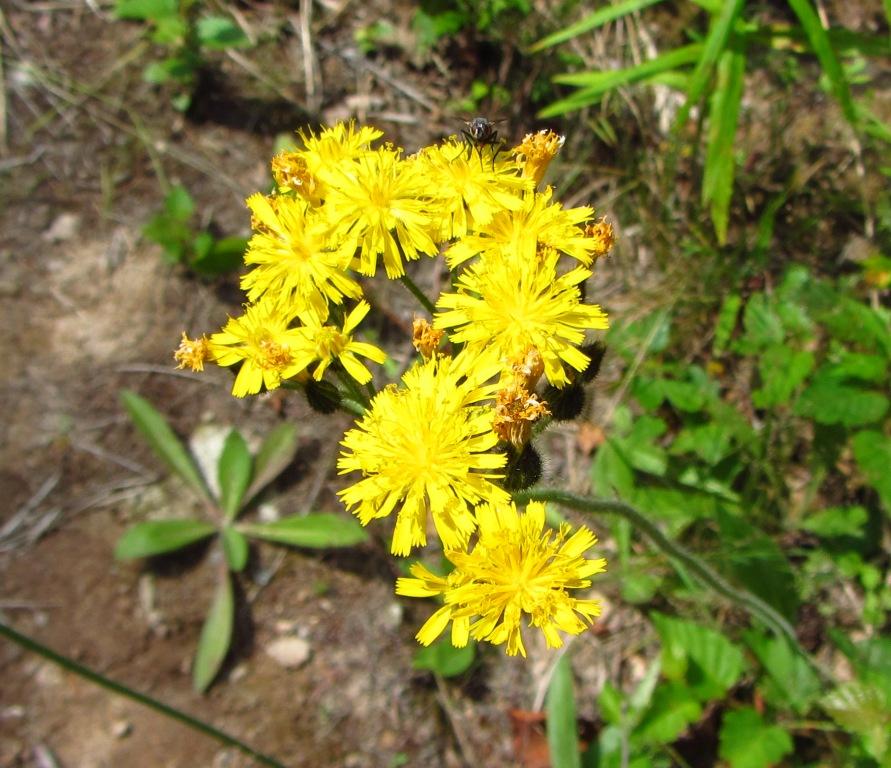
<point>481,132</point>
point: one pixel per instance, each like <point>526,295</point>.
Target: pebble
<point>289,652</point>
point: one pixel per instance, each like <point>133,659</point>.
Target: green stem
<point>194,723</point>
<point>752,603</point>
<point>418,294</point>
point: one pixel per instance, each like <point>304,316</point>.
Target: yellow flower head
<point>327,343</point>
<point>291,174</point>
<point>512,304</point>
<point>601,234</point>
<point>516,568</point>
<point>263,342</point>
<point>336,144</point>
<point>377,205</point>
<point>292,254</point>
<point>535,152</point>
<point>469,192</point>
<point>516,410</point>
<point>424,448</point>
<point>193,353</point>
<point>523,232</point>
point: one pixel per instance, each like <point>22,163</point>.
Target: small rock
<point>238,673</point>
<point>64,227</point>
<point>120,729</point>
<point>392,616</point>
<point>289,652</point>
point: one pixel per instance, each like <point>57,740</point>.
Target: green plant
<point>436,19</point>
<point>185,34</point>
<point>241,477</point>
<point>200,251</point>
<point>710,70</point>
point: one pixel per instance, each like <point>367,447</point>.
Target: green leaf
<point>763,327</point>
<point>836,521</point>
<point>235,548</point>
<point>708,662</point>
<point>216,635</point>
<point>592,21</point>
<point>221,257</point>
<point>822,47</point>
<point>684,395</point>
<point>746,741</point>
<point>672,708</point>
<point>611,474</point>
<point>316,531</point>
<point>711,441</point>
<point>442,658</point>
<point>872,450</point>
<point>163,442</point>
<point>782,371</point>
<point>790,680</point>
<point>828,402</point>
<point>563,742</point>
<point>145,10</point>
<point>863,708</point>
<point>219,33</point>
<point>234,473</point>
<point>155,537</point>
<point>715,43</point>
<point>851,365</point>
<point>726,322</point>
<point>720,163</point>
<point>276,453</point>
<point>178,203</point>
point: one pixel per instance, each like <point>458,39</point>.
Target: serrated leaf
<point>863,708</point>
<point>782,371</point>
<point>562,728</point>
<point>235,548</point>
<point>829,402</point>
<point>163,441</point>
<point>708,662</point>
<point>276,453</point>
<point>672,708</point>
<point>234,473</point>
<point>836,521</point>
<point>442,658</point>
<point>216,635</point>
<point>219,33</point>
<point>746,741</point>
<point>763,327</point>
<point>316,531</point>
<point>872,450</point>
<point>156,537</point>
<point>790,681</point>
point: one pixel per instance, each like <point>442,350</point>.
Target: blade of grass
<point>715,42</point>
<point>720,163</point>
<point>592,21</point>
<point>563,741</point>
<point>70,665</point>
<point>819,40</point>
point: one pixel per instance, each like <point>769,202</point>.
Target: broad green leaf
<point>822,47</point>
<point>563,742</point>
<point>711,441</point>
<point>763,327</point>
<point>720,163</point>
<point>216,635</point>
<point>155,537</point>
<point>746,741</point>
<point>639,586</point>
<point>715,44</point>
<point>442,658</point>
<point>872,450</point>
<point>219,33</point>
<point>790,681</point>
<point>170,31</point>
<point>163,442</point>
<point>611,475</point>
<point>726,322</point>
<point>234,473</point>
<point>704,658</point>
<point>221,257</point>
<point>316,531</point>
<point>178,203</point>
<point>593,20</point>
<point>672,708</point>
<point>836,521</point>
<point>863,708</point>
<point>145,10</point>
<point>684,395</point>
<point>782,371</point>
<point>235,547</point>
<point>851,365</point>
<point>276,453</point>
<point>828,402</point>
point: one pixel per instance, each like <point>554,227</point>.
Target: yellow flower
<point>516,568</point>
<point>327,343</point>
<point>336,144</point>
<point>293,256</point>
<point>263,342</point>
<point>513,304</point>
<point>522,232</point>
<point>535,152</point>
<point>193,353</point>
<point>425,448</point>
<point>377,204</point>
<point>425,338</point>
<point>291,174</point>
<point>469,192</point>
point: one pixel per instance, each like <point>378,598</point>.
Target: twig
<point>445,702</point>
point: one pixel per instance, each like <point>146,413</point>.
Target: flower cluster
<point>438,450</point>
